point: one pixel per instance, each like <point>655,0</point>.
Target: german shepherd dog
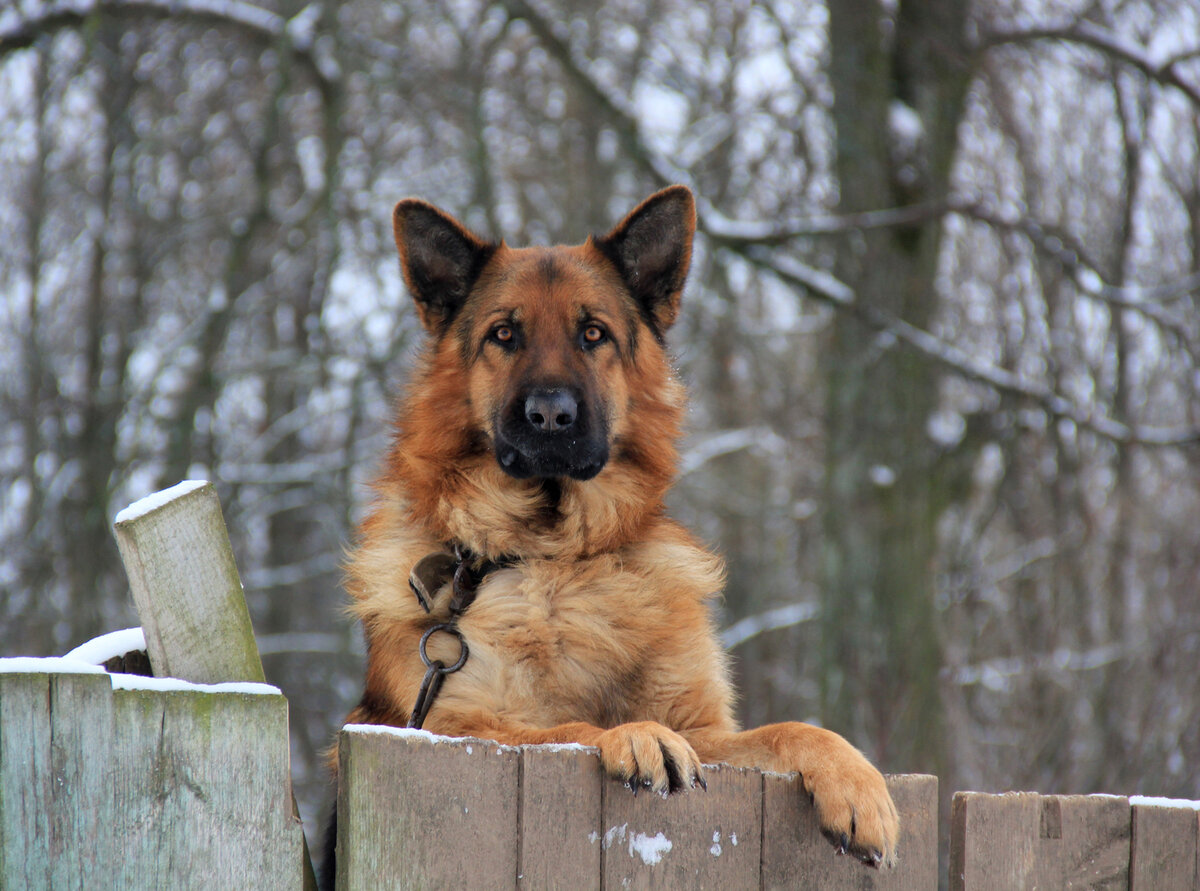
<point>537,441</point>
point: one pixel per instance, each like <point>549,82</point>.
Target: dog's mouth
<point>571,458</point>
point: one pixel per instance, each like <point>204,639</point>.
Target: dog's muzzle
<point>551,432</point>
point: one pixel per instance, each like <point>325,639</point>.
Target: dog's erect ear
<point>440,260</point>
<point>652,248</point>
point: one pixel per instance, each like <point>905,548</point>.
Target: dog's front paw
<point>854,808</point>
<point>648,754</point>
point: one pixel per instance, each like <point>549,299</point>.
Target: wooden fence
<point>122,785</point>
<point>114,781</point>
<point>1023,840</point>
<point>418,811</point>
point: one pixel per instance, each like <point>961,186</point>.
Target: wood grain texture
<point>560,829</point>
<point>143,789</point>
<point>414,813</point>
<point>695,839</point>
<point>55,785</point>
<point>189,597</point>
<point>796,855</point>
<point>994,841</point>
<point>1163,848</point>
<point>208,803</point>
<point>1084,842</point>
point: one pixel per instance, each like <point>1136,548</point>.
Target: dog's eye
<point>504,335</point>
<point>593,335</point>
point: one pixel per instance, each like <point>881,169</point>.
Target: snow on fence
<point>110,780</point>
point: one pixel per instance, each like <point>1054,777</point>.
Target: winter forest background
<point>941,333</point>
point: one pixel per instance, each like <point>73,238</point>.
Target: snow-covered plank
<point>1084,842</point>
<point>420,811</point>
<point>185,583</point>
<point>795,854</point>
<point>560,828</point>
<point>994,841</point>
<point>1163,849</point>
<point>694,839</point>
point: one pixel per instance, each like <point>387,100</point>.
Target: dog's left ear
<point>652,248</point>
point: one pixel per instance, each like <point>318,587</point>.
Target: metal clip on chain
<point>435,673</point>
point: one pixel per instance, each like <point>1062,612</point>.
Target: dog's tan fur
<point>600,632</point>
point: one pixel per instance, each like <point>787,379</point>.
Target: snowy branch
<point>996,674</point>
<point>726,442</point>
<point>21,30</point>
<point>1085,33</point>
<point>780,617</point>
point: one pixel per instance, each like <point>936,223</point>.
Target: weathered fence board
<point>560,846</point>
<point>695,839</point>
<point>791,858</point>
<point>142,788</point>
<point>993,841</point>
<point>548,818</point>
<point>1164,850</point>
<point>1025,840</point>
<point>54,780</point>
<point>415,815</point>
<point>185,583</point>
<point>1084,842</point>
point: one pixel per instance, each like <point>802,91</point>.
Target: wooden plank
<point>1084,842</point>
<point>202,791</point>
<point>185,583</point>
<point>1163,850</point>
<point>560,830</point>
<point>796,855</point>
<point>419,811</point>
<point>694,839</point>
<point>82,847</point>
<point>994,841</point>
<point>25,780</point>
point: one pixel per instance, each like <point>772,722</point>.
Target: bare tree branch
<point>1087,34</point>
<point>1146,300</point>
<point>781,617</point>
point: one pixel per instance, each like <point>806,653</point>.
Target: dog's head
<point>550,345</point>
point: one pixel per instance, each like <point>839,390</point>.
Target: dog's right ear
<point>440,260</point>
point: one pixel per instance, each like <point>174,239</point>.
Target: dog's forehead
<point>557,281</point>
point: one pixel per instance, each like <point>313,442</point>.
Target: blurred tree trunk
<point>880,637</point>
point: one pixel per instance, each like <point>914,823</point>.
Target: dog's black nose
<point>549,411</point>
